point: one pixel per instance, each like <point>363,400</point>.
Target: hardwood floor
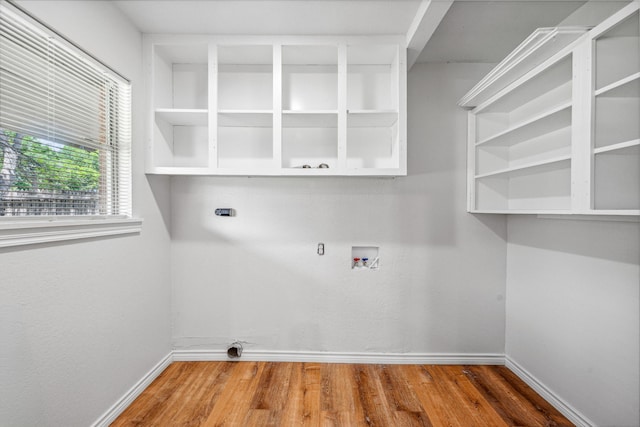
<point>319,394</point>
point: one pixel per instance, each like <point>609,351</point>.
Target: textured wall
<point>82,322</point>
<point>256,277</point>
<point>573,312</point>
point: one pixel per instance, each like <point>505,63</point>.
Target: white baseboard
<point>567,410</point>
<point>339,357</point>
<point>112,413</point>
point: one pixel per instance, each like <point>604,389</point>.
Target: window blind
<point>65,126</point>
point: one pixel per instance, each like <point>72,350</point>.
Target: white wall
<point>256,277</point>
<point>573,312</point>
<point>82,322</point>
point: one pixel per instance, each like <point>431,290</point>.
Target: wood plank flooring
<point>320,394</point>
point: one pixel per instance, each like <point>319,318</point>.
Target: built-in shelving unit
<point>522,141</point>
<point>555,128</point>
<point>615,154</point>
<point>286,106</point>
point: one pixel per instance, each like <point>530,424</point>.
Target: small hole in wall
<point>234,351</point>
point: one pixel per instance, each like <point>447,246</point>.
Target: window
<point>64,127</point>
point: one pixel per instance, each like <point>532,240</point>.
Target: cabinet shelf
<point>183,117</point>
<point>245,118</point>
<point>316,118</point>
<point>627,147</point>
<point>553,119</point>
<point>526,168</point>
<point>371,118</point>
<point>625,87</point>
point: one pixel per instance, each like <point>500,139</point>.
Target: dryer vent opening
<point>234,351</point>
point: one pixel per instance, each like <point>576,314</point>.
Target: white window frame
<point>27,230</point>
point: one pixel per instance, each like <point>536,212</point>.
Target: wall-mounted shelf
<point>183,117</point>
<point>554,127</point>
<point>243,105</point>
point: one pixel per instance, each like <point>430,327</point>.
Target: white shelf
<point>245,118</point>
<point>370,118</point>
<point>617,212</point>
<point>180,170</point>
<point>302,119</point>
<point>553,119</point>
<point>183,117</point>
<point>525,167</point>
<point>625,87</point>
<point>627,147</point>
<point>524,211</point>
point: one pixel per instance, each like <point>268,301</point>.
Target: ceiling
<point>486,31</point>
<point>271,16</point>
<point>471,30</point>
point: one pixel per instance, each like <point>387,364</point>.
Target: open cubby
<point>245,147</point>
<point>372,78</point>
<point>617,52</point>
<point>180,76</point>
<point>371,146</point>
<point>309,78</point>
<point>311,146</point>
<point>546,188</point>
<point>180,146</point>
<point>245,78</point>
<point>534,99</point>
<point>617,179</point>
<point>549,146</point>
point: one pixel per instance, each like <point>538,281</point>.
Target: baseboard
<point>567,410</point>
<point>340,357</point>
<point>112,413</point>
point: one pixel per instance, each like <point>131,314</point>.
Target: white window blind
<point>65,126</point>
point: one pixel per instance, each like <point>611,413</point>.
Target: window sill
<point>30,231</point>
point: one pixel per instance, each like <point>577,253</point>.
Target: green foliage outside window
<point>32,165</point>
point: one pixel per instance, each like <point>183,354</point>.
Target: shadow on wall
<point>160,187</point>
<point>613,240</point>
<point>351,210</point>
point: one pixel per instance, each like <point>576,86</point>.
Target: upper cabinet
<point>288,106</point>
<point>554,128</point>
